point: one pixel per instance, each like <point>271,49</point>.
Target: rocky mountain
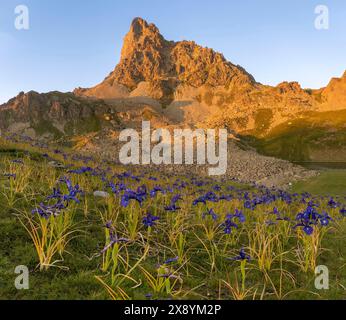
<point>197,86</point>
<point>175,84</point>
<point>54,114</point>
<point>157,67</point>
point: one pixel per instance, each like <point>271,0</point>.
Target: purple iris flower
<point>270,223</point>
<point>229,223</point>
<point>45,211</point>
<point>211,213</point>
<point>62,200</point>
<point>139,196</point>
<point>241,256</point>
<point>239,214</point>
<point>81,170</point>
<point>73,190</point>
<point>310,217</point>
<point>155,190</point>
<point>171,260</point>
<point>172,207</point>
<point>199,200</point>
<point>325,219</point>
<point>306,225</point>
<point>10,175</point>
<point>56,194</point>
<point>149,296</point>
<point>225,197</point>
<point>209,196</point>
<point>279,216</point>
<point>149,220</point>
<point>18,161</point>
<point>212,197</point>
<point>113,237</point>
<point>332,203</point>
<point>173,204</point>
<point>249,205</point>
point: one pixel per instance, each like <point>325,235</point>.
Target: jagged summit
<point>140,25</point>
<point>147,56</point>
<point>141,34</point>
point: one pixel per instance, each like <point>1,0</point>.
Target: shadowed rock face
<point>51,114</point>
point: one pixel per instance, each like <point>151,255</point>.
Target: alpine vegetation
<point>91,228</point>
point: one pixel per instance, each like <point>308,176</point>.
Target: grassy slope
<point>313,137</point>
<point>329,182</point>
<point>16,248</point>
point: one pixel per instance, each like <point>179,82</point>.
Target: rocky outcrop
<point>52,114</point>
<point>333,97</point>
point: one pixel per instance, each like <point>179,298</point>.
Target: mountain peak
<point>139,25</point>
<point>148,57</point>
<point>142,36</point>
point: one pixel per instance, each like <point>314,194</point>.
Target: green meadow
<point>330,182</point>
<point>160,236</point>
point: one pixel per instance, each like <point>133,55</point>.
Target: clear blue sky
<point>74,43</point>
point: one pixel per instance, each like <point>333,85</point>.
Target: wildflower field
<point>90,229</point>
